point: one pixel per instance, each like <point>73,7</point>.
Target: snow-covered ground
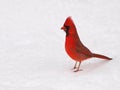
<point>32,55</point>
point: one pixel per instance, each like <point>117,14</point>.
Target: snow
<point>32,55</point>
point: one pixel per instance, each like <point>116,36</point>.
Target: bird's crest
<point>69,21</point>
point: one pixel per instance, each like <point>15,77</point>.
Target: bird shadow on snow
<point>89,67</point>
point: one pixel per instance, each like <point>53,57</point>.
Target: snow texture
<point>32,55</point>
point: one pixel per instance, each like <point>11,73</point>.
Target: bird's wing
<point>84,50</point>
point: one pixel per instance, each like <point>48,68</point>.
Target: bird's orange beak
<point>63,28</point>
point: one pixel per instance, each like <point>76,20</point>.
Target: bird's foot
<point>74,67</point>
<point>78,70</point>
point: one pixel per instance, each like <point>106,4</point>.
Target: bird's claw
<point>74,67</point>
<point>78,70</point>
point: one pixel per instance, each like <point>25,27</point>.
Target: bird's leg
<point>78,68</point>
<point>75,65</point>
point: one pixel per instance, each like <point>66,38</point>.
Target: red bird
<point>74,47</point>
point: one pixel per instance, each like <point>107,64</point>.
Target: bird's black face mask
<point>67,30</point>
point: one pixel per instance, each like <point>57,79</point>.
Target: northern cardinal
<point>74,47</point>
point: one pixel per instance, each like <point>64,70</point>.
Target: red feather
<point>74,47</point>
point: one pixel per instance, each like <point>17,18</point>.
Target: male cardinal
<point>74,47</point>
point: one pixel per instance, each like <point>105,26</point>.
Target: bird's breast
<point>70,47</point>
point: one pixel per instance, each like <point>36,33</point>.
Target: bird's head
<point>68,26</point>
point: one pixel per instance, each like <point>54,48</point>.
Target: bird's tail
<point>101,56</point>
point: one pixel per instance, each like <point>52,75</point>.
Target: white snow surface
<point>32,55</point>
